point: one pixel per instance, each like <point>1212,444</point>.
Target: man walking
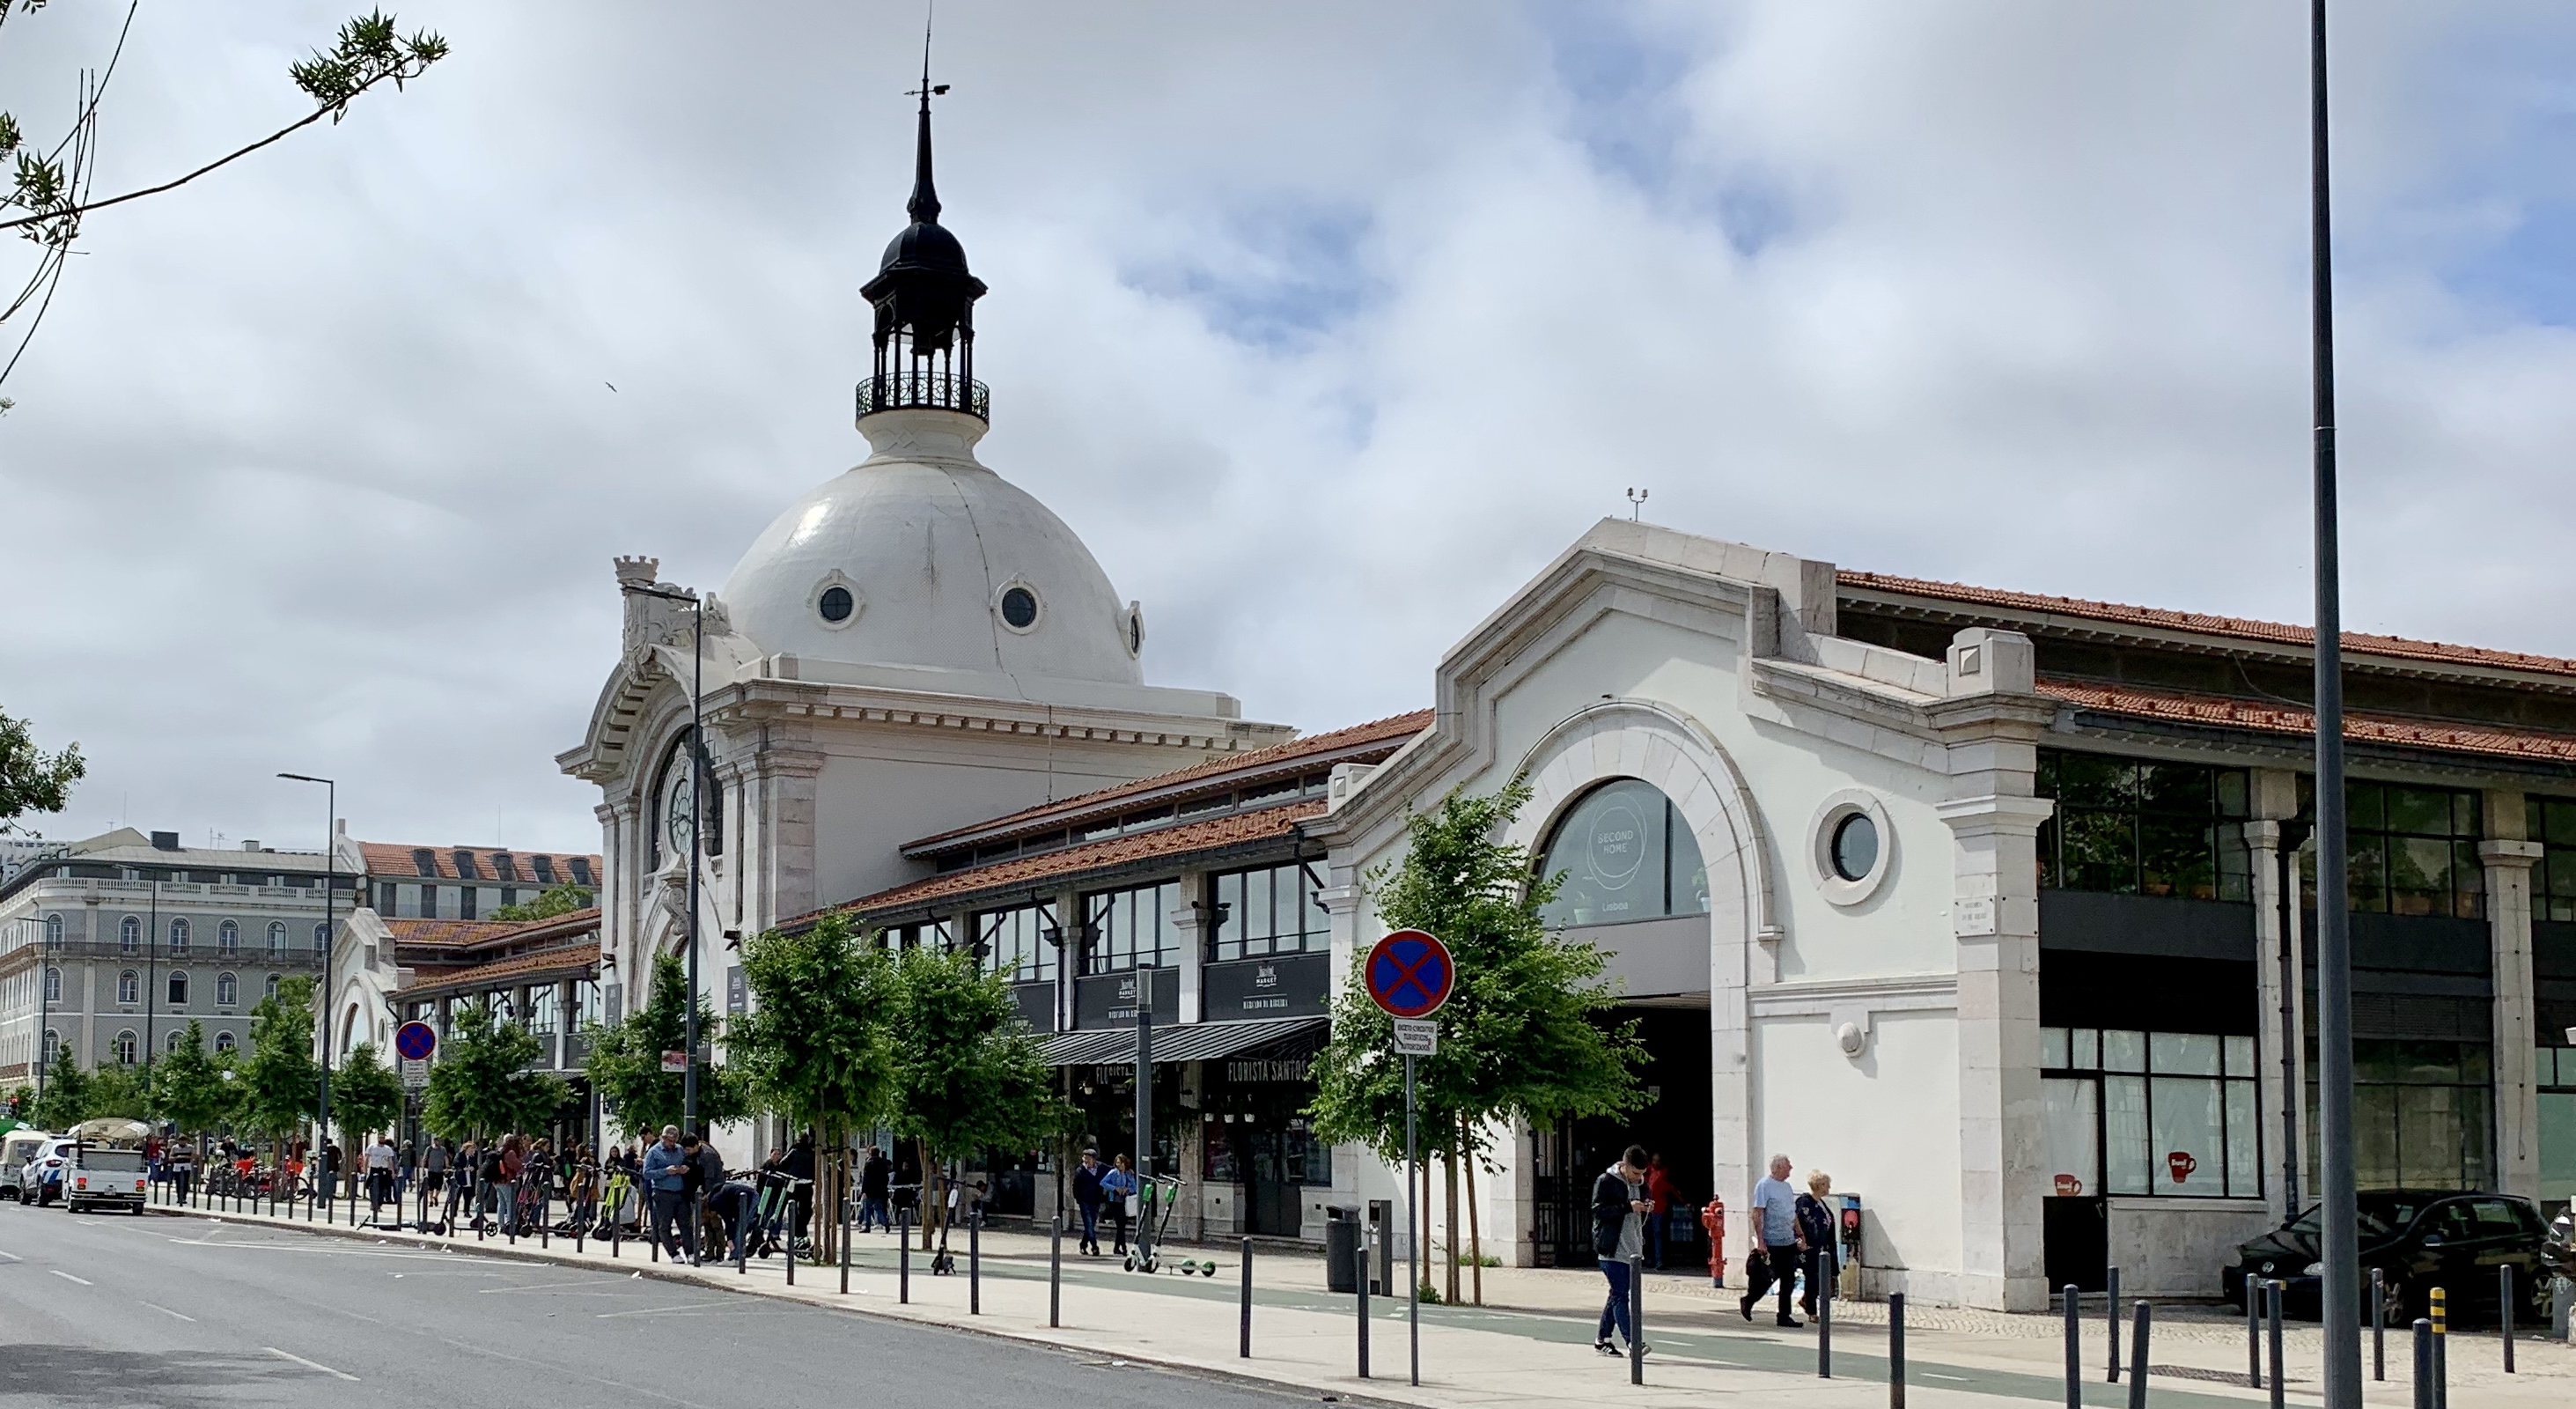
<point>433,1177</point>
<point>1619,1212</point>
<point>666,1180</point>
<point>876,1184</point>
<point>1775,1223</point>
<point>1086,1197</point>
<point>379,1156</point>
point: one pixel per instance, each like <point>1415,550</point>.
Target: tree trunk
<point>1449,1280</point>
<point>1424,1225</point>
<point>1475,1234</point>
<point>932,1197</point>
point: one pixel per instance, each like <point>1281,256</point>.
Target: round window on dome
<point>835,604</point>
<point>1855,847</point>
<point>1019,608</point>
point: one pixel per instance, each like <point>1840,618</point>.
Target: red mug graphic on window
<point>2068,1186</point>
<point>2180,1165</point>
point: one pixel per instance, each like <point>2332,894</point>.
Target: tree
<point>813,1046</point>
<point>31,780</point>
<point>118,1092</point>
<point>280,1083</point>
<point>1523,1036</point>
<point>188,1088</point>
<point>365,1095</point>
<point>555,900</point>
<point>66,1099</point>
<point>482,1083</point>
<point>625,1061</point>
<point>52,183</point>
<point>967,1075</point>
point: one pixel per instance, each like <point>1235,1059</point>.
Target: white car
<point>16,1148</point>
<point>40,1178</point>
<point>92,1176</point>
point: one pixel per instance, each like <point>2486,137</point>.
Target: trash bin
<point>1341,1249</point>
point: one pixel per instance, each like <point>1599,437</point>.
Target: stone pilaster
<point>1193,923</point>
<point>2509,860</point>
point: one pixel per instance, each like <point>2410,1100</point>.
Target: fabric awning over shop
<point>1189,1042</point>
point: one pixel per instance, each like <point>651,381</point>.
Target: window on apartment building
<point>2156,1113</point>
<point>321,937</point>
<point>424,861</point>
<point>581,870</point>
<point>1131,929</point>
<point>544,1009</point>
<point>227,990</point>
<point>129,934</point>
<point>2131,827</point>
<point>178,988</point>
<point>272,985</point>
<point>178,935</point>
<point>933,934</point>
<point>277,936</point>
<point>1019,944</point>
<point>465,898</point>
<point>1267,911</point>
<point>53,985</point>
<point>225,1042</point>
<point>2551,821</point>
<point>1622,853</point>
<point>125,1048</point>
<point>171,1044</point>
<point>502,867</point>
<point>129,987</point>
<point>228,937</point>
<point>53,931</point>
<point>465,865</point>
<point>545,870</point>
<point>53,1046</point>
<point>2414,851</point>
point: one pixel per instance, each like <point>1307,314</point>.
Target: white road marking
<point>309,1364</point>
<point>660,1310</point>
<point>539,1287</point>
<point>11,1257</point>
<point>168,1312</point>
<point>66,1276</point>
<point>1960,1379</point>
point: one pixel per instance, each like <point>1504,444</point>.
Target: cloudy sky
<point>1325,324</point>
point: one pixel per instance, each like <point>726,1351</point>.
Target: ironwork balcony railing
<point>936,390</point>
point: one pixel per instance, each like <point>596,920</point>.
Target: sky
<point>1326,325</point>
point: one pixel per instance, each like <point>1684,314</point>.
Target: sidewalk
<point>1532,1342</point>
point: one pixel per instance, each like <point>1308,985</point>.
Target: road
<point>119,1311</point>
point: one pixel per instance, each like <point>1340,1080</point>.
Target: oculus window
<point>1622,853</point>
<point>1855,846</point>
<point>2134,828</point>
<point>1019,608</point>
<point>835,604</point>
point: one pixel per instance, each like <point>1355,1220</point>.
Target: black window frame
<point>2141,826</point>
<point>2375,834</point>
<point>1230,925</point>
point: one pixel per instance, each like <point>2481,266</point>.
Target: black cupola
<point>925,302</point>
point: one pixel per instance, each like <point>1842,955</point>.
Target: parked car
<point>92,1175</point>
<point>15,1149</point>
<point>40,1179</point>
<point>2418,1240</point>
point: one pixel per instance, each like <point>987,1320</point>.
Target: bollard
<point>903,1255</point>
<point>2111,1319</point>
<point>2504,1312</point>
<point>1637,1320</point>
<point>2253,1333</point>
<point>2272,1319</point>
<point>1825,1314</point>
<point>2378,1323</point>
<point>1244,1350</point>
<point>2562,1301</point>
<point>974,1262</point>
<point>2138,1363</point>
<point>2441,1350</point>
<point>2074,1349</point>
<point>1896,1350</point>
<point>1055,1276</point>
<point>1363,1301</point>
<point>845,1225</point>
<point>742,1239</point>
<point>2423,1362</point>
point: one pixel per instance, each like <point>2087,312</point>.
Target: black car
<point>2418,1240</point>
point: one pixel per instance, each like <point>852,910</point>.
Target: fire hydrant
<point>1713,1218</point>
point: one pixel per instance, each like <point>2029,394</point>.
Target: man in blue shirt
<point>666,1179</point>
<point>1775,1224</point>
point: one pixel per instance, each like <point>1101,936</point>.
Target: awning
<point>1189,1042</point>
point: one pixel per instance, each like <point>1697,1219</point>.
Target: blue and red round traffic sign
<point>1410,974</point>
<point>414,1041</point>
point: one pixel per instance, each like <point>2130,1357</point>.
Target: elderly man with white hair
<point>1783,1244</point>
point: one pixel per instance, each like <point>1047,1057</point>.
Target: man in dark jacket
<point>799,1164</point>
<point>876,1184</point>
<point>1086,1197</point>
<point>1619,1209</point>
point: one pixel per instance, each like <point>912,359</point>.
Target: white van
<point>96,1175</point>
<point>16,1148</point>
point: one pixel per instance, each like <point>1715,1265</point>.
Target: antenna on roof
<point>1636,503</point>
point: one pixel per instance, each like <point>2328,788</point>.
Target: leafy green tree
<point>625,1061</point>
<point>280,1083</point>
<point>482,1084</point>
<point>967,1074</point>
<point>1524,1036</point>
<point>30,779</point>
<point>366,1095</point>
<point>553,901</point>
<point>814,1044</point>
<point>66,1099</point>
<point>188,1088</point>
<point>118,1093</point>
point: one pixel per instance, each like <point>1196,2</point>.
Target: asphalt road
<point>118,1311</point>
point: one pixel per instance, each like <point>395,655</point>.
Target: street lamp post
<point>330,881</point>
<point>697,809</point>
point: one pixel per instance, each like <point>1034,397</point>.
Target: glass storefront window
<point>1623,853</point>
<point>2556,1077</point>
<point>2414,851</point>
<point>2136,828</point>
<point>1018,943</point>
<point>1131,929</point>
<point>2423,1114</point>
<point>1268,911</point>
<point>2551,821</point>
<point>2162,1113</point>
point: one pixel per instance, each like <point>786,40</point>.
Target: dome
<point>924,245</point>
<point>922,557</point>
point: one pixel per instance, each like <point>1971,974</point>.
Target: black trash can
<point>1341,1249</point>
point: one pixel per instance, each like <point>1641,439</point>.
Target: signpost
<point>1410,975</point>
<point>675,1063</point>
<point>414,1042</point>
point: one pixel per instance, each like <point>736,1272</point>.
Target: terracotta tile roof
<point>1393,729</point>
<point>561,958</point>
<point>2204,624</point>
<point>1231,830</point>
<point>469,934</point>
<point>2217,711</point>
<point>394,861</point>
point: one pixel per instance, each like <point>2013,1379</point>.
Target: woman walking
<point>1116,1187</point>
<point>1815,1234</point>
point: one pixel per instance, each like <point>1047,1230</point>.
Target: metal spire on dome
<point>924,297</point>
<point>924,205</point>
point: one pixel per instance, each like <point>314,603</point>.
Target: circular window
<point>1019,608</point>
<point>835,604</point>
<point>1855,847</point>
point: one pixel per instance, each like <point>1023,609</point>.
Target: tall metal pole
<point>697,813</point>
<point>1412,1239</point>
<point>151,980</point>
<point>1144,1109</point>
<point>2342,1310</point>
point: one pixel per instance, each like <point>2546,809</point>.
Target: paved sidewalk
<point>1532,1342</point>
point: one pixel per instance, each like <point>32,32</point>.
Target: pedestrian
<point>328,1181</point>
<point>1620,1209</point>
<point>434,1158</point>
<point>666,1179</point>
<point>1659,1192</point>
<point>798,1166</point>
<point>379,1157</point>
<point>1087,1190</point>
<point>1815,1233</point>
<point>707,1176</point>
<point>1118,1186</point>
<point>876,1177</point>
<point>406,1172</point>
<point>1781,1246</point>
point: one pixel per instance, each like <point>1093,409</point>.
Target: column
<point>1070,923</point>
<point>2509,859</point>
<point>2282,1021</point>
<point>1190,919</point>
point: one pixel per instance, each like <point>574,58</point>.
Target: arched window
<point>228,937</point>
<point>129,987</point>
<point>225,1042</point>
<point>178,934</point>
<point>272,985</point>
<point>1623,853</point>
<point>125,1048</point>
<point>228,991</point>
<point>277,936</point>
<point>53,931</point>
<point>54,986</point>
<point>129,934</point>
<point>53,1046</point>
<point>176,1036</point>
<point>322,939</point>
<point>178,988</point>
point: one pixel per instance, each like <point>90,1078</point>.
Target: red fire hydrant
<point>1713,1218</point>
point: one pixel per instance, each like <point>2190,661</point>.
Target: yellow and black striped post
<point>2441,1361</point>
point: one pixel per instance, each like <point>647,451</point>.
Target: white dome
<point>928,559</point>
